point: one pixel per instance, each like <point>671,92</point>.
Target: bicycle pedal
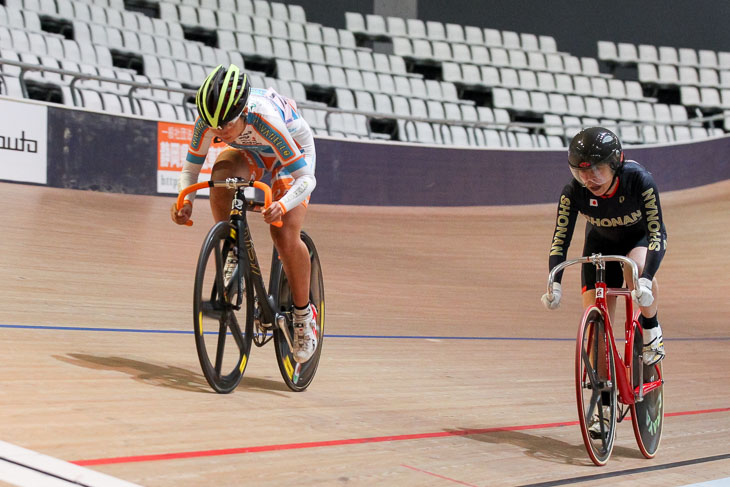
<point>596,435</point>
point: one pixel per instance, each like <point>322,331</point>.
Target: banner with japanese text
<point>173,140</point>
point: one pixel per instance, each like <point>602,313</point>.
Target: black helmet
<point>593,146</point>
<point>223,95</point>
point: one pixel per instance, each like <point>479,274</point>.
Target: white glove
<point>642,294</point>
<point>553,303</point>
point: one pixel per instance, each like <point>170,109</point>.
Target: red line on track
<point>351,441</point>
<point>701,411</point>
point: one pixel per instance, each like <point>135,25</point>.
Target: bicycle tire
<point>647,416</point>
<point>298,376</point>
<point>592,388</point>
<point>214,315</point>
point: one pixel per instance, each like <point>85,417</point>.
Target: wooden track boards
<point>115,374</point>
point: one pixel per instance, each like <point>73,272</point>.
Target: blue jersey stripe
<point>195,159</point>
<point>253,148</point>
<point>199,130</point>
<point>294,166</point>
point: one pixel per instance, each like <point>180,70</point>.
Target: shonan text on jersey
<point>631,213</point>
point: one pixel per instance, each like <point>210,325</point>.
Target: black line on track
<point>41,471</point>
<point>621,473</point>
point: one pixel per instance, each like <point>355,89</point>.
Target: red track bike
<point>607,385</point>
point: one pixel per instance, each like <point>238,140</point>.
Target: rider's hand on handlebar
<point>273,213</point>
<point>182,215</point>
<point>642,294</point>
<point>553,303</point>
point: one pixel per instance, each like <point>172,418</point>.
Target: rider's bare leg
<point>292,250</point>
<point>229,164</point>
<point>294,254</point>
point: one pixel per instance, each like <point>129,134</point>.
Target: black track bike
<point>230,312</point>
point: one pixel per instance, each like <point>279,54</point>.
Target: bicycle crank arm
<point>641,379</point>
<point>281,323</point>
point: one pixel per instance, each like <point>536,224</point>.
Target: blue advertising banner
<point>120,154</point>
<point>99,152</point>
<point>360,173</point>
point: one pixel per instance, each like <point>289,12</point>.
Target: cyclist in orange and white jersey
<point>265,134</point>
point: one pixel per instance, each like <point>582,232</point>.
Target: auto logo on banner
<point>173,140</point>
<point>23,142</point>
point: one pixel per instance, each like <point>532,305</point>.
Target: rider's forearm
<point>655,231</point>
<point>188,176</point>
<point>300,189</point>
<point>653,259</point>
<point>564,225</point>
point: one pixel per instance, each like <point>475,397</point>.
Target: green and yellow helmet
<point>223,95</point>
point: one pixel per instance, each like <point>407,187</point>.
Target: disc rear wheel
<point>297,375</point>
<point>647,416</point>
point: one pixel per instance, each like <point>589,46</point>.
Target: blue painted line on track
<point>427,337</point>
<point>375,337</point>
<point>89,328</point>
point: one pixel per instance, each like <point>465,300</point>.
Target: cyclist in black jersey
<point>620,202</point>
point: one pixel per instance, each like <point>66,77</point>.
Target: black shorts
<point>595,244</point>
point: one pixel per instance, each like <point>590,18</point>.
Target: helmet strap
<point>610,186</point>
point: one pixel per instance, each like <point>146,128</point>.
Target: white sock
<point>302,314</point>
<point>651,333</point>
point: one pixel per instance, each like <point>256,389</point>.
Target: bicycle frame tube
<point>250,260</point>
<point>623,368</point>
<point>623,374</point>
<point>274,273</point>
<point>242,235</point>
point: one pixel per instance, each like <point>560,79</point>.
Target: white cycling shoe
<point>304,341</point>
<point>594,427</point>
<point>653,350</point>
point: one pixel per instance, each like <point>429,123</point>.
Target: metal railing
<point>135,86</point>
<point>76,77</point>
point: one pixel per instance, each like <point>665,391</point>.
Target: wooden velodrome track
<point>440,367</point>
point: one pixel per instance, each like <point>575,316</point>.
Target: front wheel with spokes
<point>595,385</point>
<point>219,309</point>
